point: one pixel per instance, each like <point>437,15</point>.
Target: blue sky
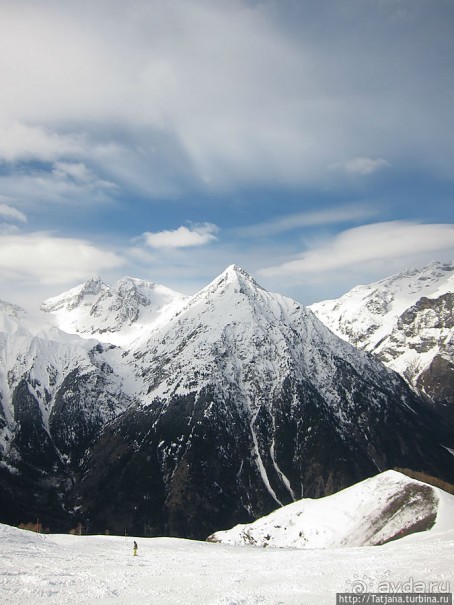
<point>310,142</point>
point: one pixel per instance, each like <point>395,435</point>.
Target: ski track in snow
<point>61,569</point>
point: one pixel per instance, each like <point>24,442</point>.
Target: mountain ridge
<point>407,322</point>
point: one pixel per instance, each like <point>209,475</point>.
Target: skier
<point>134,549</point>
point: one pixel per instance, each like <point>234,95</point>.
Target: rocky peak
<point>75,297</point>
<point>127,296</point>
<point>233,279</point>
<point>11,310</point>
<point>117,313</point>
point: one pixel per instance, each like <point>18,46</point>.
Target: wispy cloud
<point>9,213</point>
<point>78,172</point>
<point>20,141</point>
<point>183,237</point>
<point>328,216</point>
<point>35,187</point>
<point>367,244</point>
<point>122,104</point>
<point>362,166</point>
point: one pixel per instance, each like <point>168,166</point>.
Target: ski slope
<point>56,569</point>
<point>59,569</point>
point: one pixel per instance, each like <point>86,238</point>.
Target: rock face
<point>386,507</point>
<point>230,404</point>
<point>407,321</point>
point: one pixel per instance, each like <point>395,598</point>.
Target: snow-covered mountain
<point>117,314</point>
<point>48,380</point>
<point>407,321</point>
<point>386,507</point>
<point>56,393</point>
<point>218,409</point>
<point>248,402</point>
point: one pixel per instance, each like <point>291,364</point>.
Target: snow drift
<point>383,508</point>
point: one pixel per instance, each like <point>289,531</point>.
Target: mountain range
<point>136,408</point>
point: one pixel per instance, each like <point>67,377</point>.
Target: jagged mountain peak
<point>433,272</point>
<point>128,282</point>
<point>234,271</point>
<point>231,282</point>
<point>144,292</point>
<point>235,298</point>
<point>367,313</point>
<point>72,298</point>
<point>11,310</point>
<point>235,331</point>
<point>235,275</point>
<point>117,313</point>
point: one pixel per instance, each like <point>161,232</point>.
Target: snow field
<point>59,569</point>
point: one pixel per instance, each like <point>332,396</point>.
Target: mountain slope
<point>407,321</point>
<point>247,402</point>
<point>386,507</point>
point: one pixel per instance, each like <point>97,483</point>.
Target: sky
<point>311,142</point>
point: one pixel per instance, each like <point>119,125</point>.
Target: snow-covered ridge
<point>368,313</point>
<point>406,320</point>
<point>42,356</point>
<point>117,314</point>
<point>10,310</point>
<point>386,507</point>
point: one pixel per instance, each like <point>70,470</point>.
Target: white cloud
<point>182,237</point>
<point>10,213</point>
<point>328,216</point>
<point>44,259</point>
<point>66,183</point>
<point>379,242</point>
<point>78,172</point>
<point>19,141</point>
<point>364,166</point>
